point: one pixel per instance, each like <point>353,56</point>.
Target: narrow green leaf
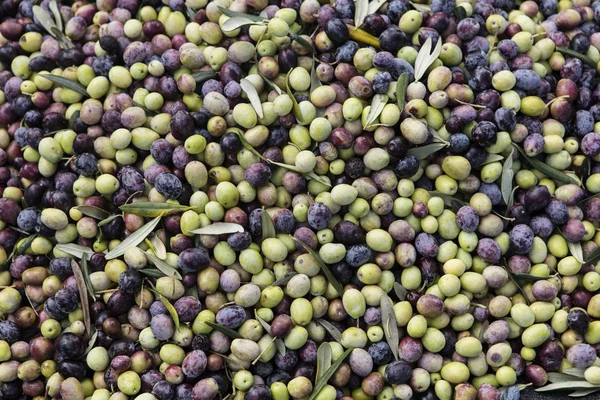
<point>280,345</point>
<point>94,212</point>
<point>310,175</point>
<point>388,321</point>
<point>400,291</point>
<point>576,250</point>
<point>90,345</point>
<point>146,109</point>
<point>507,178</point>
<point>361,11</point>
<point>324,358</point>
<point>557,377</point>
<point>460,13</point>
<point>449,200</point>
<point>572,53</point>
<point>490,159</point>
<point>332,330</point>
<point>165,268</point>
<point>263,323</point>
<point>574,384</point>
<point>219,228</point>
<point>67,83</point>
<point>296,107</point>
<point>268,227</point>
<point>401,90</point>
<point>45,19</point>
<point>57,17</point>
<point>252,94</point>
<point>75,250</point>
<point>360,36</point>
<point>328,374</point>
<point>422,152</point>
<point>578,372</point>
<point>484,327</point>
<point>583,392</point>
<point>134,239</point>
<point>272,85</point>
<point>83,297</point>
<point>109,219</point>
<point>546,169</point>
<point>86,277</point>
<point>314,79</point>
<point>234,14</point>
<point>158,247</point>
<point>426,57</point>
<point>284,279</point>
<point>73,119</point>
<point>236,23</point>
<point>170,308</point>
<point>223,329</point>
<point>190,13</point>
<point>421,7</point>
<point>154,273</point>
<point>149,209</point>
<point>303,42</point>
<point>203,76</point>
<point>25,244</point>
<point>593,256</point>
<point>330,277</point>
<point>375,5</point>
<point>377,105</point>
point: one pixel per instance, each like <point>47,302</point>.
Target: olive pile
<point>255,200</point>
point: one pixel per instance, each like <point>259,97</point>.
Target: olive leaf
<point>109,219</point>
<point>574,384</point>
<point>83,296</point>
<point>252,94</point>
<point>165,268</point>
<point>557,377</point>
<point>190,13</point>
<point>202,76</point>
<point>67,83</point>
<point>57,17</point>
<point>133,240</point>
<point>154,273</point>
<point>24,245</point>
<point>490,159</point>
<point>170,308</point>
<point>388,322</point>
<point>450,201</point>
<point>377,105</point>
<point>400,291</point>
<point>234,14</point>
<point>143,107</point>
<point>75,250</point>
<point>576,250</point>
<point>149,209</point>
<point>279,345</point>
<point>314,79</point>
<point>223,329</point>
<point>272,85</point>
<point>296,107</point>
<point>44,18</point>
<point>375,5</point>
<point>324,358</point>
<point>361,11</point>
<point>330,277</point>
<point>484,327</point>
<point>422,152</point>
<point>310,175</point>
<point>401,90</point>
<point>507,178</point>
<point>219,228</point>
<point>546,169</point>
<point>284,279</point>
<point>268,227</point>
<point>421,7</point>
<point>158,247</point>
<point>578,372</point>
<point>303,42</point>
<point>328,374</point>
<point>358,35</point>
<point>593,256</point>
<point>583,201</point>
<point>583,392</point>
<point>426,57</point>
<point>572,53</point>
<point>73,119</point>
<point>90,345</point>
<point>332,330</point>
<point>236,23</point>
<point>86,277</point>
<point>460,13</point>
<point>94,212</point>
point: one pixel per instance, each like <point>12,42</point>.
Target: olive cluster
<point>259,200</point>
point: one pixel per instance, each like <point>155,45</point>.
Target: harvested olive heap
<point>285,199</point>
